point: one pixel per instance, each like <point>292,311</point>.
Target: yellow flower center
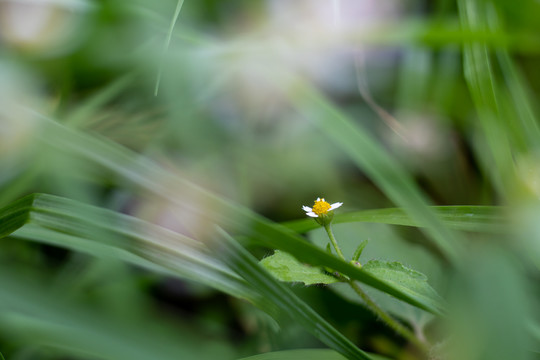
<point>321,207</point>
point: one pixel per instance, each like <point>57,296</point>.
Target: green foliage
<point>358,251</point>
<point>407,279</point>
<point>286,268</point>
<point>152,153</point>
<point>314,354</point>
<point>248,267</point>
<point>99,232</point>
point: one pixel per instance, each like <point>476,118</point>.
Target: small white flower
<point>321,207</point>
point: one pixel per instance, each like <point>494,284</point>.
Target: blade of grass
<point>248,267</point>
<point>481,81</point>
<point>469,218</point>
<point>167,43</point>
<point>517,89</point>
<point>98,101</point>
<point>104,233</point>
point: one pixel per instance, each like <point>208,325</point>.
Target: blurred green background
<point>217,93</point>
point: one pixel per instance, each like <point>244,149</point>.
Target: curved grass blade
<point>167,43</point>
<point>147,175</point>
<point>463,217</point>
<point>240,260</point>
<point>526,124</point>
<point>104,233</point>
<point>480,78</point>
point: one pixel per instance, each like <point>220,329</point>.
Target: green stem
<point>387,318</point>
<point>383,315</point>
<point>333,241</point>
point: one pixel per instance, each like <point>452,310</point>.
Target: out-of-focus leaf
<point>31,313</point>
<point>463,217</point>
<point>497,156</point>
<point>167,42</point>
<point>104,233</point>
<point>493,279</point>
<point>303,354</point>
<point>285,267</point>
<point>312,354</point>
<point>98,101</point>
<point>241,261</point>
<point>525,122</point>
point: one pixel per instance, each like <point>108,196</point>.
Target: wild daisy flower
<point>322,210</point>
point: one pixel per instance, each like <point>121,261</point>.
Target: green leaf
<point>359,250</point>
<point>408,280</point>
<point>246,265</point>
<point>285,267</point>
<point>302,354</point>
<point>386,243</point>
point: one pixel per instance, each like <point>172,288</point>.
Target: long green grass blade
<point>179,5</point>
<point>519,95</point>
<point>247,266</point>
<point>479,74</point>
<point>104,233</point>
<point>98,101</point>
<point>526,123</point>
<point>469,218</point>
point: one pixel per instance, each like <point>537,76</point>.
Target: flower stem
<point>333,241</point>
<point>387,318</point>
<point>383,315</point>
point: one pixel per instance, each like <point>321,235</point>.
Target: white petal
<point>312,214</point>
<point>319,199</point>
<point>335,205</point>
<point>307,208</point>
